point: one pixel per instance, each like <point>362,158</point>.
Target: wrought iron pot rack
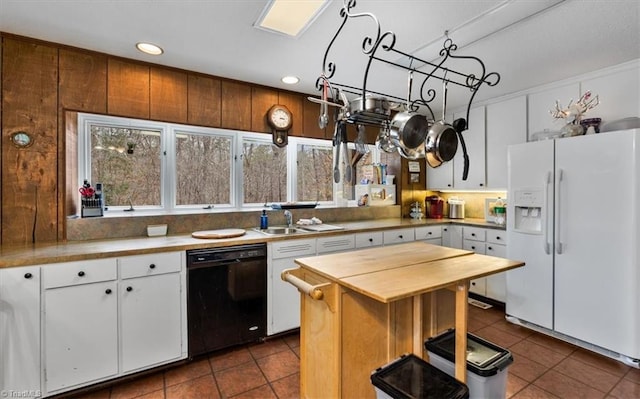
<point>376,47</point>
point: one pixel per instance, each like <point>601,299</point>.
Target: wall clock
<point>280,120</point>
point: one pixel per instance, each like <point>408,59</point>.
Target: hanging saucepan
<point>373,110</point>
<point>442,140</point>
<point>408,130</point>
<point>383,140</point>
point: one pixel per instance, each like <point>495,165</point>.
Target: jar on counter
<point>501,212</point>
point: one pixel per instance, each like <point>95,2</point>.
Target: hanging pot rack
<point>375,47</point>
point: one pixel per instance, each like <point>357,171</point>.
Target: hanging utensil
<point>323,119</point>
<point>336,155</point>
<point>348,170</point>
<point>359,142</point>
<point>442,140</point>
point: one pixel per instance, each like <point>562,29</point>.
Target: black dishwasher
<point>226,296</point>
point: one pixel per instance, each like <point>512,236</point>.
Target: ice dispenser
<point>528,208</point>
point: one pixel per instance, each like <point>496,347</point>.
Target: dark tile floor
<point>543,368</point>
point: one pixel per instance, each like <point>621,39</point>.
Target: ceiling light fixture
<point>290,80</point>
<point>149,48</point>
<point>290,17</point>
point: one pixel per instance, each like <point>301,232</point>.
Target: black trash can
<point>487,363</point>
<point>410,377</point>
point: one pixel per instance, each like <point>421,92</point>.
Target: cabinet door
<point>20,329</point>
<point>506,125</point>
<point>367,240</point>
<point>284,309</point>
<point>474,138</point>
<point>479,285</point>
<point>80,334</point>
<point>340,243</point>
<point>440,178</point>
<point>398,236</point>
<point>496,284</point>
<point>150,317</point>
<point>452,236</point>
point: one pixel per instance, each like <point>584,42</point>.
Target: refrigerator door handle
<point>559,243</point>
<point>545,228</point>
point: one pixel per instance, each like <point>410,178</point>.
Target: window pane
<point>264,172</point>
<point>203,169</point>
<point>127,163</point>
<point>315,173</point>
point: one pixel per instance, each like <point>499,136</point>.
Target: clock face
<point>280,118</point>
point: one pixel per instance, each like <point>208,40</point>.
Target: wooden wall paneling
<point>29,175</point>
<point>311,112</point>
<point>168,101</point>
<point>82,86</point>
<point>127,89</point>
<point>261,100</point>
<point>204,101</point>
<point>293,101</point>
<point>236,105</point>
<point>83,81</point>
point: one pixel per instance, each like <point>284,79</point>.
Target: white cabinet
<point>344,242</point>
<point>398,236</point>
<point>506,125</point>
<point>430,234</point>
<point>491,242</point>
<point>283,300</point>
<point>151,310</point>
<point>542,102</point>
<point>474,138</point>
<point>452,236</point>
<point>80,323</point>
<point>440,178</point>
<point>367,240</point>
<point>98,327</point>
<point>20,330</point>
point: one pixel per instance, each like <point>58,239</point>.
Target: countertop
<point>41,254</point>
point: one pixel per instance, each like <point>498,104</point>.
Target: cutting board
<point>321,227</point>
<point>222,233</point>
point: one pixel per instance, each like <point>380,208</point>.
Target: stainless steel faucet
<point>288,217</point>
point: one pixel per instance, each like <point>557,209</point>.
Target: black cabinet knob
<point>497,237</point>
<point>28,275</point>
<point>474,248</point>
<point>445,229</point>
<point>448,185</point>
<point>108,291</point>
<point>152,266</point>
<point>80,273</point>
<point>481,184</point>
<point>370,239</point>
<point>473,283</point>
<point>473,234</point>
<point>400,237</point>
<point>129,289</point>
<point>490,249</point>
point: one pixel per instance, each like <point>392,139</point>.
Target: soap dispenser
<point>264,220</point>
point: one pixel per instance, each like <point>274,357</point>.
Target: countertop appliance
<point>226,296</point>
<point>435,207</point>
<point>456,208</point>
<point>580,282</point>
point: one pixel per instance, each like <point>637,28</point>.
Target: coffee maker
<point>434,206</point>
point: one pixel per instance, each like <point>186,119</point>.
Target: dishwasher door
<point>226,301</point>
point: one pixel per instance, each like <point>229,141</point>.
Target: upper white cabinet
<point>506,125</point>
<point>619,94</point>
<point>474,138</point>
<point>540,103</point>
<point>440,178</point>
<point>20,329</point>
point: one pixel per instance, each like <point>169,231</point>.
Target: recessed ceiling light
<point>290,80</point>
<point>290,17</point>
<point>149,48</point>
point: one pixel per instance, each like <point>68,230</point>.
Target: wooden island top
<point>386,288</point>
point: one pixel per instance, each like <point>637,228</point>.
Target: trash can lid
<point>410,377</point>
<point>484,358</point>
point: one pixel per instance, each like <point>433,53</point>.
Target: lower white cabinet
<point>368,240</point>
<point>152,310</point>
<point>398,236</point>
<point>490,242</point>
<point>430,234</point>
<point>283,299</point>
<point>20,331</point>
<point>97,326</point>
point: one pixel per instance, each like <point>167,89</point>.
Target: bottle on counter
<point>501,212</point>
<point>264,220</point>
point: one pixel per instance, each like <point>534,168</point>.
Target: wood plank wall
<point>41,81</point>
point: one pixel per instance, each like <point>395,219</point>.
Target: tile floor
<point>543,368</point>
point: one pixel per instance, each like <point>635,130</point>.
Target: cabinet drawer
<point>293,248</point>
<point>497,250</point>
<point>81,272</point>
<point>365,240</point>
<point>473,233</point>
<point>146,265</point>
<point>475,246</point>
<point>497,236</point>
<point>397,236</point>
<point>428,232</point>
<point>336,243</point>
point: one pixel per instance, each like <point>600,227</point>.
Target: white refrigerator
<point>572,217</point>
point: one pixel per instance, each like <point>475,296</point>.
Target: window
<point>164,167</point>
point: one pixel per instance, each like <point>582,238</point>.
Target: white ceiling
<point>217,37</point>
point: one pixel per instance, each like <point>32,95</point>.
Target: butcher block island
<point>363,309</point>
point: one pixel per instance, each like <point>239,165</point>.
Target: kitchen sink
<point>280,230</point>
